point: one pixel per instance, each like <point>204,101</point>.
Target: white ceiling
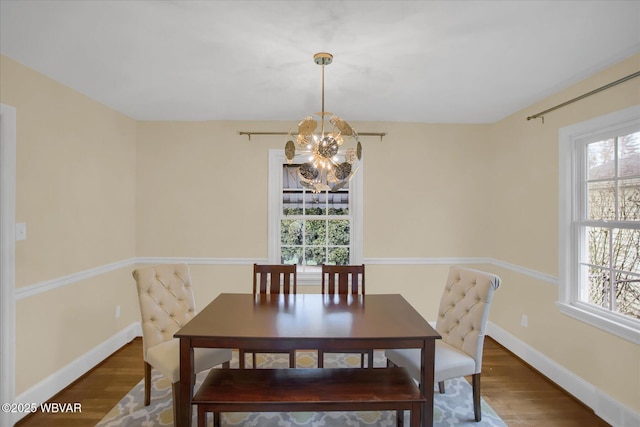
<point>415,61</point>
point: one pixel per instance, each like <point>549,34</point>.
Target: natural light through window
<point>600,222</point>
<point>309,228</point>
<point>611,264</point>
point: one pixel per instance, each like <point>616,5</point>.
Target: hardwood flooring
<point>517,392</point>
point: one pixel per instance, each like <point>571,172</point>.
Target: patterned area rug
<point>454,408</point>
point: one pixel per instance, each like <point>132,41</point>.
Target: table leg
<point>186,387</point>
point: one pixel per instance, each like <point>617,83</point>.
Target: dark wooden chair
<point>344,280</point>
<point>272,279</point>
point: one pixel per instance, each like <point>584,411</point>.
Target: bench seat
<point>298,390</point>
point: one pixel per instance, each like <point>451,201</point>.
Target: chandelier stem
<point>323,99</point>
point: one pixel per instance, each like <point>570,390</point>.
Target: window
<point>309,229</point>
<point>600,222</point>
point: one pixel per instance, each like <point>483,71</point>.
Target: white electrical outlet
<point>21,231</point>
<point>525,321</point>
<point>117,311</point>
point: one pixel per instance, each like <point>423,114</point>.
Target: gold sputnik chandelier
<point>330,164</point>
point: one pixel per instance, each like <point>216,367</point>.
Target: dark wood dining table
<point>306,321</point>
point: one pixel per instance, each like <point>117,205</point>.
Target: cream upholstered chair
<point>272,279</point>
<point>462,317</point>
<point>344,280</point>
<point>167,304</point>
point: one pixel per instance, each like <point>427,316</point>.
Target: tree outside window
<point>315,228</point>
<point>612,225</point>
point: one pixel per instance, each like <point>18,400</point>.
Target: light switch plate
<point>21,231</point>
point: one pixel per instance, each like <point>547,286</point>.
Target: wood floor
<point>518,393</point>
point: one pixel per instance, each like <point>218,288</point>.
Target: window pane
<point>626,250</point>
<point>628,295</point>
<point>315,256</point>
<point>598,245</point>
<point>315,232</point>
<point>291,255</point>
<point>338,256</point>
<point>602,200</point>
<point>629,209</point>
<point>315,203</point>
<point>599,287</point>
<point>338,203</point>
<point>601,159</point>
<point>339,232</point>
<point>291,232</point>
<point>629,155</point>
<point>292,203</point>
<point>290,177</point>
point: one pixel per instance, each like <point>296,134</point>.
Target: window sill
<point>628,329</point>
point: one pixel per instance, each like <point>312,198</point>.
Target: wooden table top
<point>308,316</point>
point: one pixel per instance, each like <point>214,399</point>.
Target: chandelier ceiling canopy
<point>331,154</point>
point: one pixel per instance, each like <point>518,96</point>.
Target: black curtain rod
<point>617,82</point>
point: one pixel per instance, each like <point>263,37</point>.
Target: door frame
<point>7,259</point>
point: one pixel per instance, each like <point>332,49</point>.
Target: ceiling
<point>410,61</point>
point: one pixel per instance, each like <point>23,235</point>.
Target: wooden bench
<point>298,390</point>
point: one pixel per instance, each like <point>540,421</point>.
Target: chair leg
<point>475,380</point>
<point>292,359</point>
<point>147,384</point>
<point>320,359</point>
<point>202,416</point>
<point>254,360</point>
<point>441,387</point>
<point>241,359</point>
<point>370,358</point>
<point>400,418</point>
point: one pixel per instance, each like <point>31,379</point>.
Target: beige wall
<point>76,192</point>
<point>116,188</point>
<point>525,233</point>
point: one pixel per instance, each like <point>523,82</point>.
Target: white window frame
<point>572,163</point>
<point>276,160</point>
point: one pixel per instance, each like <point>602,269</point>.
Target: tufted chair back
<point>464,309</point>
<point>166,301</point>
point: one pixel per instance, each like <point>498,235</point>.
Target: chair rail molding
<point>48,285</point>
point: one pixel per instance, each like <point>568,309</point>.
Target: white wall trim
<point>48,285</point>
<point>8,135</point>
<point>425,261</point>
<point>200,261</point>
<point>50,386</point>
<point>524,271</point>
<point>602,404</point>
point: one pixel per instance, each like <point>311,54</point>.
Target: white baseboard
<point>604,406</point>
<point>54,383</point>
